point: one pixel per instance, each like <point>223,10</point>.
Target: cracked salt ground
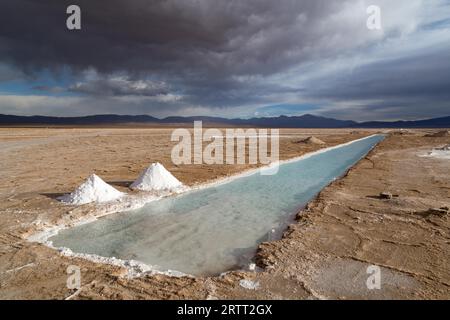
<point>208,231</point>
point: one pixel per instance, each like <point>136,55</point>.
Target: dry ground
<point>324,255</point>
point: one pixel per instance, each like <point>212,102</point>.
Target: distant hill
<point>429,123</point>
<point>304,121</point>
<point>87,120</point>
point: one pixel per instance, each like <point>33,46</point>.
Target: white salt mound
<point>94,189</point>
<point>312,140</point>
<point>156,178</point>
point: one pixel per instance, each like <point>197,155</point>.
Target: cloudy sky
<point>231,58</point>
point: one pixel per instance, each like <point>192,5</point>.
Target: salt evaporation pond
<point>212,230</point>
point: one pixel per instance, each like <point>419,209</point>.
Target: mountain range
<point>304,121</point>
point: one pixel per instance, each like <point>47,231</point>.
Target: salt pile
<point>94,189</point>
<point>312,140</point>
<point>156,178</point>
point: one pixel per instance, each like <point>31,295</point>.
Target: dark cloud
<point>9,74</point>
<point>419,76</point>
<point>224,53</point>
<point>203,49</point>
<point>413,86</point>
<point>207,42</point>
<point>120,86</point>
<point>50,89</point>
<point>178,37</point>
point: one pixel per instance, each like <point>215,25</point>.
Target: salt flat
<point>325,254</point>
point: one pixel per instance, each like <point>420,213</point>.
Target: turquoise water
<point>209,231</point>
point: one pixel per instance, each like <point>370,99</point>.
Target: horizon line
<point>219,117</point>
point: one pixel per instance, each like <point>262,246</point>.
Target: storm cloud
<point>229,57</point>
<point>120,86</point>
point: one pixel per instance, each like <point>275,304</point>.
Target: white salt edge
<point>134,268</point>
<point>94,189</point>
<point>156,178</point>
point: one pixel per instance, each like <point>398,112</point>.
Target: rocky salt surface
<point>94,189</point>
